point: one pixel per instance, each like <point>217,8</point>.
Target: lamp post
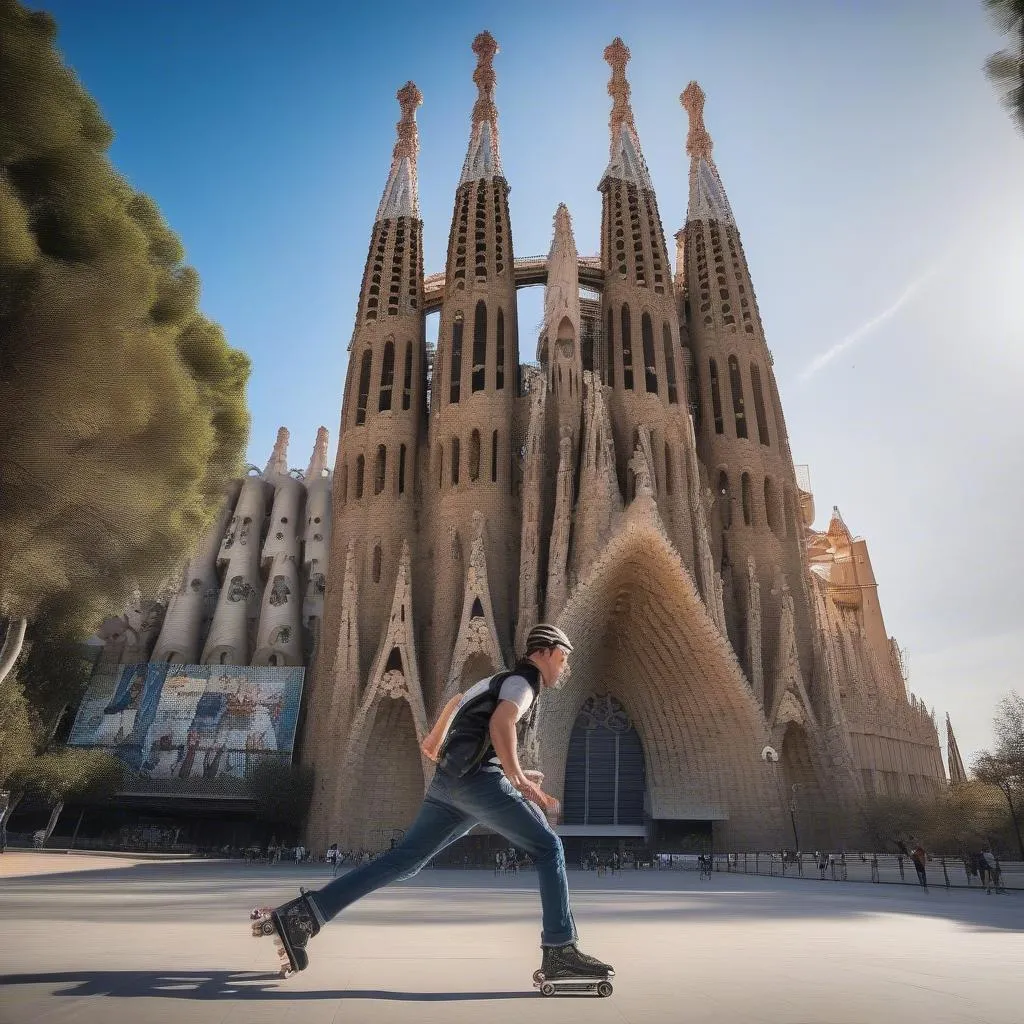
<point>792,815</point>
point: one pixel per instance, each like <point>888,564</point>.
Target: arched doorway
<point>808,808</point>
<point>604,773</point>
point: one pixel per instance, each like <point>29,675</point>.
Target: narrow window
<point>650,367</point>
<point>499,367</point>
<point>668,468</point>
<point>771,508</point>
<point>627,353</point>
<point>344,483</point>
<point>364,387</point>
<point>670,365</point>
<point>588,345</point>
<point>494,458</point>
<point>456,367</point>
<point>387,377</point>
<point>746,497</point>
<point>378,558</point>
<point>474,455</point>
<point>407,377</point>
<point>380,469</point>
<point>455,460</point>
<point>762,419</point>
<point>401,469</point>
<point>736,383</point>
<point>440,465</point>
<point>360,468</point>
<point>724,500</point>
<point>790,511</point>
<point>609,348</point>
<point>479,378</point>
<point>716,397</point>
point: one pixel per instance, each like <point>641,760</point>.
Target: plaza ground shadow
<point>209,985</point>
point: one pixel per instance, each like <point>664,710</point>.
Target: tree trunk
<point>1016,822</point>
<point>78,825</point>
<point>52,823</point>
<point>11,808</point>
<point>12,645</point>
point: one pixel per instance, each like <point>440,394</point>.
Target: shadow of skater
<point>241,985</point>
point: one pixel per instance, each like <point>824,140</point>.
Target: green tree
<point>1005,68</point>
<point>122,408</point>
<point>1004,766</point>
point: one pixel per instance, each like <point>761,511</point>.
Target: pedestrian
<point>994,870</point>
<point>874,868</point>
<point>822,858</point>
<point>478,780</point>
<point>920,859</point>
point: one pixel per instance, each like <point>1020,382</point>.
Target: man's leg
<point>437,825</point>
<point>490,798</point>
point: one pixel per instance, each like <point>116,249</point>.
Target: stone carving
<point>279,591</point>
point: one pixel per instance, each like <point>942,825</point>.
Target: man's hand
<point>431,748</point>
<point>548,804</point>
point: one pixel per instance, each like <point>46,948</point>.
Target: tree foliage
<point>122,408</point>
<point>1003,767</point>
<point>1005,68</point>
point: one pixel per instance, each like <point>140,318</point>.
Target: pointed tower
<point>473,394</point>
<point>383,421</point>
<point>558,350</point>
<point>641,358</point>
<point>316,544</point>
<point>279,638</point>
<point>957,774</point>
<point>741,433</point>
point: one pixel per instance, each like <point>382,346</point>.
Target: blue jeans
<point>450,809</point>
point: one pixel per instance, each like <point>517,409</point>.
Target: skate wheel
<point>286,972</point>
<point>267,927</point>
<point>547,989</point>
<point>604,988</point>
<point>538,977</point>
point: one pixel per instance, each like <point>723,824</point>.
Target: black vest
<point>467,744</point>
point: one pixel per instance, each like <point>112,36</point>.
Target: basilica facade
<point>733,682</point>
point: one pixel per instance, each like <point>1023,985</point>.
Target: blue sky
<point>873,174</point>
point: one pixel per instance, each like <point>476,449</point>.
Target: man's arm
<point>431,745</point>
<point>505,742</point>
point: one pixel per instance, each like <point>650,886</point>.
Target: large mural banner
<point>192,721</point>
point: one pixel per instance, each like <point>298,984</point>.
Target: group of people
<point>985,864</point>
<point>506,861</point>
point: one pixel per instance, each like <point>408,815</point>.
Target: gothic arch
<point>643,635</point>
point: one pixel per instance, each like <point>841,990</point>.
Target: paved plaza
<point>90,940</point>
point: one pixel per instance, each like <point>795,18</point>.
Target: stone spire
<point>562,294</point>
<point>278,462</point>
<point>707,194</point>
<point>625,160</point>
<point>482,158</point>
<point>401,193</point>
<point>318,461</point>
<point>957,774</point>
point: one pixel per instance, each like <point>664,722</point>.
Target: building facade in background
<point>733,680</point>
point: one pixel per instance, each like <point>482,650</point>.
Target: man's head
<point>549,649</point>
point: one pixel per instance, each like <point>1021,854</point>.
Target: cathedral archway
<point>804,794</point>
<point>604,772</point>
<point>390,778</point>
<point>643,636</point>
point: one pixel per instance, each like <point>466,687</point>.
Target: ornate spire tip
<point>698,141</point>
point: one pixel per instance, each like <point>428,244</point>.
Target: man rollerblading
<point>478,780</point>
